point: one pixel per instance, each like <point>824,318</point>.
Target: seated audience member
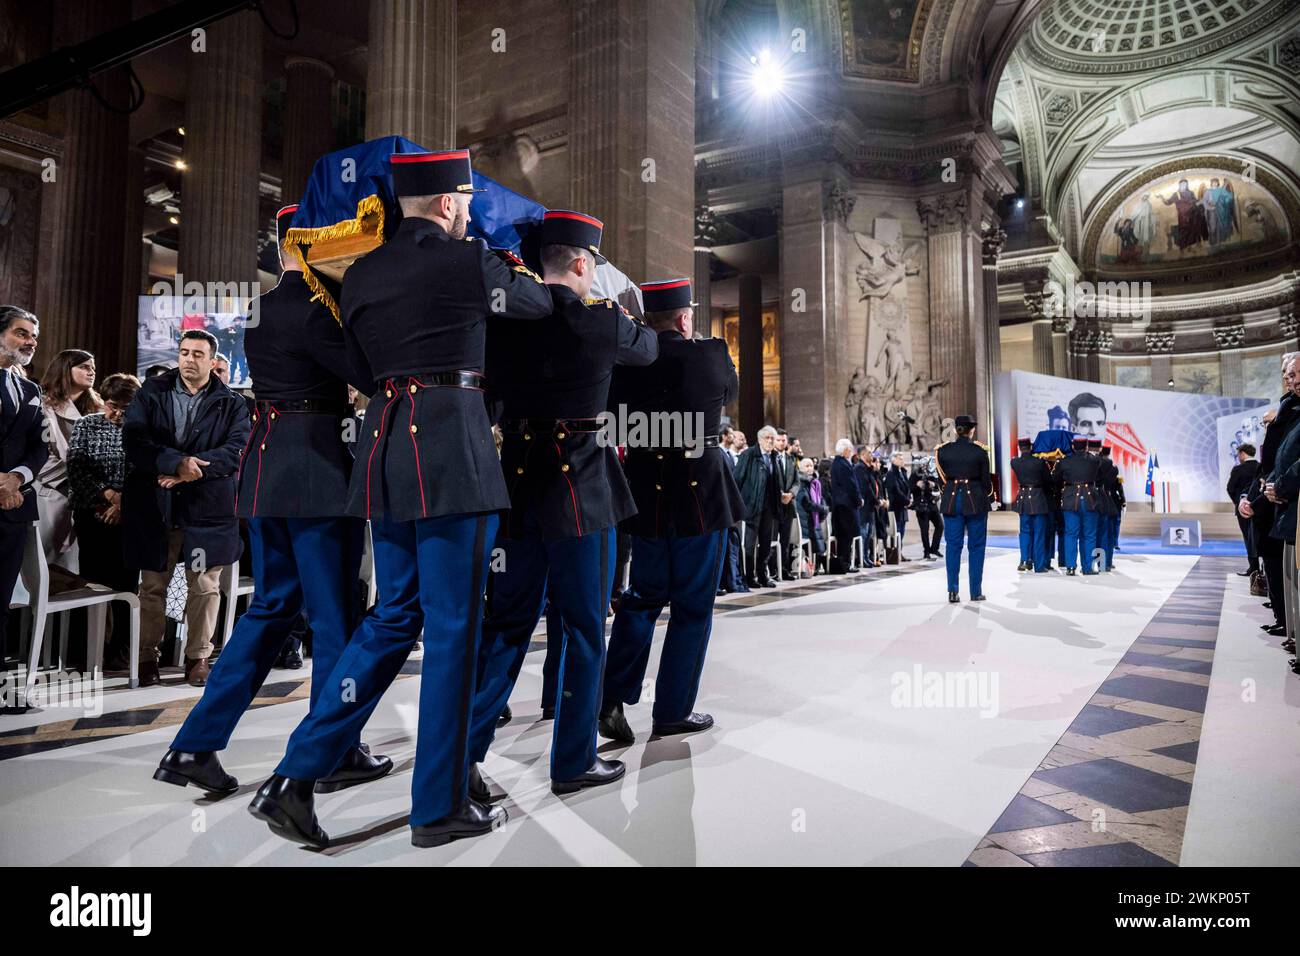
<point>96,476</point>
<point>184,435</point>
<point>22,451</point>
<point>68,393</point>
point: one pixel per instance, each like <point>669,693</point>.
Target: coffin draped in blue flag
<point>350,207</point>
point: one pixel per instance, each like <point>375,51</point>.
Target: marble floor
<point>860,720</point>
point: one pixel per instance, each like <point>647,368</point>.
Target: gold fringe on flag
<point>299,242</point>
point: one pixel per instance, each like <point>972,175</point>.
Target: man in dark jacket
<point>23,450</point>
<point>753,476</point>
<point>846,507</point>
<point>183,437</point>
<point>868,482</point>
<point>899,495</point>
<point>1240,481</point>
<point>923,485</point>
<point>1257,507</point>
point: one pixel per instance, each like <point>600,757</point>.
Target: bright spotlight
<point>767,76</point>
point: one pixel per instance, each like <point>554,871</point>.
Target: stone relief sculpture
<point>885,390</point>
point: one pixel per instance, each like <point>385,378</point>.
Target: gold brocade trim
<point>295,239</point>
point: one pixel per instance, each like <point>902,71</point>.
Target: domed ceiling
<point>1104,36</point>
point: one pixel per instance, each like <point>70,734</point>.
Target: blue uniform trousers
<point>299,564</point>
<point>683,573</point>
<point>576,573</point>
<point>1080,538</point>
<point>958,529</point>
<point>551,662</point>
<point>1037,538</point>
<point>1115,522</point>
<point>432,572</point>
<point>1106,539</point>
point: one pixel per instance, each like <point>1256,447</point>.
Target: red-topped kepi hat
<point>431,174</point>
<point>564,227</point>
<point>667,294</point>
<point>283,220</point>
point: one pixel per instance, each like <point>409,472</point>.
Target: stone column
<point>411,74</point>
<point>219,192</point>
<point>308,122</point>
<point>1062,367</point>
<point>1043,353</point>
<point>1230,339</point>
<point>632,130</point>
<point>1091,346</point>
<point>991,247</point>
<point>811,388</point>
<point>84,308</point>
<point>751,356</point>
<point>705,233</point>
<point>958,347</point>
<point>1160,346</point>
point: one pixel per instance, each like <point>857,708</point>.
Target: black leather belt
<point>318,405</point>
<point>463,378</point>
<point>515,425</point>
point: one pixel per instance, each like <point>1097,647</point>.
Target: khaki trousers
<point>201,604</point>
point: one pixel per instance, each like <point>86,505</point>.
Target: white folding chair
<point>33,591</point>
<point>234,586</point>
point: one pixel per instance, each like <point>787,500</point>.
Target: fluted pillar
<point>631,138</point>
<point>84,307</point>
<point>411,78</point>
<point>751,355</point>
<point>1042,331</point>
<point>308,122</point>
<point>958,344</point>
<point>134,263</point>
<point>986,377</point>
<point>219,215</point>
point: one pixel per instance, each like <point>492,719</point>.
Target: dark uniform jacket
<point>964,463</point>
<point>925,492</point>
<point>551,380</point>
<point>1034,478</point>
<point>298,463</point>
<point>897,489</point>
<point>1242,479</point>
<point>22,442</point>
<point>417,305</point>
<point>1077,474</point>
<point>1107,482</point>
<point>846,490</point>
<point>678,495</point>
<point>205,509</point>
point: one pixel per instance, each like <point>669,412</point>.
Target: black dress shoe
<point>203,770</point>
<point>1276,630</point>
<point>471,819</point>
<point>740,589</point>
<point>358,766</point>
<point>1244,574</point>
<point>722,592</point>
<point>691,725</point>
<point>978,597</point>
<point>1288,645</point>
<point>291,661</point>
<point>478,788</point>
<point>1270,628</point>
<point>953,598</point>
<point>938,554</point>
<point>1022,566</point>
<point>1268,604</point>
<point>767,583</point>
<point>506,717</point>
<point>1070,571</point>
<point>598,774</point>
<point>614,726</point>
<point>287,807</point>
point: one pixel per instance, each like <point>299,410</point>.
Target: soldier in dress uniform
<point>1077,475</point>
<point>415,316</point>
<point>1034,478</point>
<point>306,552</point>
<point>963,466</point>
<point>567,495</point>
<point>686,500</point>
<point>1107,509</point>
<point>1117,493</point>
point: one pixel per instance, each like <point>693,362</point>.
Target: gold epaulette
<point>597,300</point>
<point>515,263</point>
<point>981,444</point>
